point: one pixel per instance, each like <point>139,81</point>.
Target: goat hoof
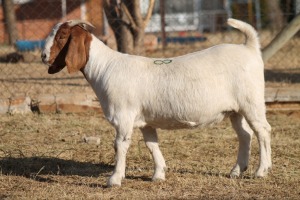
<point>260,173</point>
<point>158,179</point>
<point>234,174</point>
<point>113,182</point>
<point>159,176</point>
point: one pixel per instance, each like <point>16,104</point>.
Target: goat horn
<point>84,24</point>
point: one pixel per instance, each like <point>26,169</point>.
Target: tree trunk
<point>124,39</point>
<point>138,32</point>
<point>275,14</point>
<point>128,24</point>
<point>119,23</point>
<point>10,21</point>
<point>138,44</point>
<point>285,35</point>
<point>163,23</point>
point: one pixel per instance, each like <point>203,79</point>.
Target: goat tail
<point>252,39</point>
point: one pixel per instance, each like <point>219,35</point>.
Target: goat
<point>193,90</point>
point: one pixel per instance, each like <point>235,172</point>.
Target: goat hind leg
<point>263,132</point>
<point>244,133</point>
<point>256,118</point>
<point>151,140</point>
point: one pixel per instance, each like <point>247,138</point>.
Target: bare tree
<point>10,21</point>
<point>128,23</point>
<point>275,14</point>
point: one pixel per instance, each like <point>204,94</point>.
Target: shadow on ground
<point>33,166</point>
<point>282,76</point>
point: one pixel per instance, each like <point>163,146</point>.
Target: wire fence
<point>190,26</point>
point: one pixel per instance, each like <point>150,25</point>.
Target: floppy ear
<point>77,56</point>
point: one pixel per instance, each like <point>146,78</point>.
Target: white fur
<point>193,90</point>
<point>49,41</point>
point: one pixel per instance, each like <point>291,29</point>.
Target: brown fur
<point>70,48</point>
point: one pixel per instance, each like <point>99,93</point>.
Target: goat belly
<point>173,123</point>
<point>170,124</point>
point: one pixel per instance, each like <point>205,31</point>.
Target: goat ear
<point>76,57</point>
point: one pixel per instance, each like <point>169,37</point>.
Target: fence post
<point>10,21</point>
<point>281,38</point>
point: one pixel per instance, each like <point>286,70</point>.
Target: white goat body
<point>196,89</point>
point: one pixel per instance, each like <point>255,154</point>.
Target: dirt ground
<point>44,157</point>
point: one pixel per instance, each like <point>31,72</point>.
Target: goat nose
<point>43,56</point>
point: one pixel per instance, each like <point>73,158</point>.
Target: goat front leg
<point>122,143</point>
<point>151,140</point>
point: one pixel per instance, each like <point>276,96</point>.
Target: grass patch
<point>43,157</point>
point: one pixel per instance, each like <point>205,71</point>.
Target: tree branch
<point>149,12</point>
<point>281,38</point>
<point>110,9</point>
<point>127,13</point>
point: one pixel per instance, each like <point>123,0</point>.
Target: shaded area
<point>24,79</point>
<point>291,76</point>
<point>13,57</point>
<point>44,9</point>
<point>47,81</point>
<point>31,167</point>
<point>183,40</point>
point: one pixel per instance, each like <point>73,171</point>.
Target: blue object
<point>183,40</point>
<point>29,45</point>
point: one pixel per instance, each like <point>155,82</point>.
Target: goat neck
<point>100,57</point>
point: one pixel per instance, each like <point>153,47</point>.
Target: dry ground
<point>43,157</point>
